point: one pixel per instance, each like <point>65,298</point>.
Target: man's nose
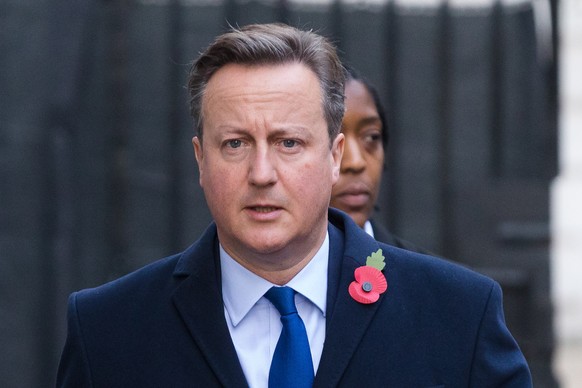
<point>262,171</point>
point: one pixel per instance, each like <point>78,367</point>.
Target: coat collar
<point>346,322</point>
<point>198,299</point>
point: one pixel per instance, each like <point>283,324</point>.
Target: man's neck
<point>281,266</point>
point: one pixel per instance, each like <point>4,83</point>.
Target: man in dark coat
<point>268,100</point>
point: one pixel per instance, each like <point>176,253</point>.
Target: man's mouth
<point>264,209</point>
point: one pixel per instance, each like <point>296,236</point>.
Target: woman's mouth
<point>353,199</point>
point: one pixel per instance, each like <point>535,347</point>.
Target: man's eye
<point>288,143</point>
<point>234,143</point>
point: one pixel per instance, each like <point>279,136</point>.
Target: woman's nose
<point>353,159</point>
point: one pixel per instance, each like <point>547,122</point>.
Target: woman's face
<point>363,159</point>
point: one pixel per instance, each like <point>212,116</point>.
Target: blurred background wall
<point>98,176</point>
<point>566,204</point>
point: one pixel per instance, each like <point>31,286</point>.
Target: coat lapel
<point>198,299</point>
<point>347,320</point>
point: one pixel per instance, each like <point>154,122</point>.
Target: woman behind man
<point>366,138</point>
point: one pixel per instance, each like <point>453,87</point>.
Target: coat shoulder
<point>144,282</point>
<point>437,276</point>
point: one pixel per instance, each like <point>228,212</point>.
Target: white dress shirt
<point>368,228</point>
<point>255,324</point>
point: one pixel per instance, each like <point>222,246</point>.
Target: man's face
<point>363,158</point>
<point>265,162</point>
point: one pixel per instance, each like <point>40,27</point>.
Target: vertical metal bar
<point>283,11</point>
<point>45,303</point>
<point>58,265</point>
<point>497,101</point>
<point>230,12</point>
<point>444,53</point>
<point>553,81</point>
<point>337,25</point>
<point>118,169</point>
<point>391,111</point>
<point>176,223</point>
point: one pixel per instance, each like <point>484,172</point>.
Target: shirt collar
<point>242,289</point>
<point>368,228</point>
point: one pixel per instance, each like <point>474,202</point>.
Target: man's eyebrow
<point>290,131</point>
<point>232,130</point>
<point>286,128</point>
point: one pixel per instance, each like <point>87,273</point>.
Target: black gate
<point>98,176</point>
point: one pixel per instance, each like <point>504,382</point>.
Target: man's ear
<point>199,154</point>
<point>337,151</point>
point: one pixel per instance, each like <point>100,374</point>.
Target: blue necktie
<point>292,366</point>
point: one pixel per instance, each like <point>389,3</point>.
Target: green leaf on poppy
<point>376,260</point>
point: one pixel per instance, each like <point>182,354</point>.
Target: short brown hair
<point>268,44</point>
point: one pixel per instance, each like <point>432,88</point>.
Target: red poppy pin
<point>370,281</point>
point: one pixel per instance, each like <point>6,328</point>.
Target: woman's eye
<point>373,137</point>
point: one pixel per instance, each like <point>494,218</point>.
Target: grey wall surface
<point>97,175</point>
